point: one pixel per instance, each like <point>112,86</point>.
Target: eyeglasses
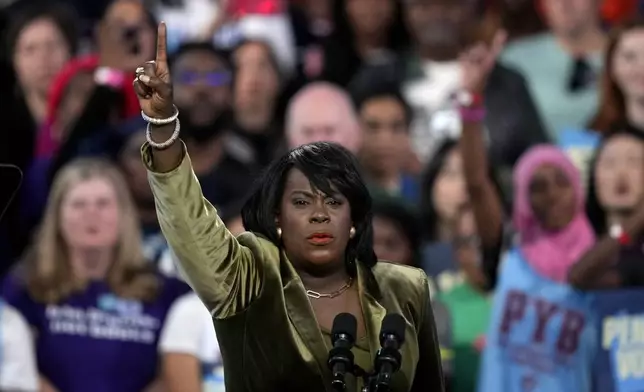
<point>212,79</point>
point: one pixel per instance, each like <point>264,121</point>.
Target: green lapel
<point>301,314</point>
<point>372,311</point>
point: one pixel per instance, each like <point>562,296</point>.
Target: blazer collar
<point>372,310</point>
<point>303,318</point>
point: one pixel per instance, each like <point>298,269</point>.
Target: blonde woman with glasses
<point>96,305</point>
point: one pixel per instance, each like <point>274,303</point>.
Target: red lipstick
<point>320,238</point>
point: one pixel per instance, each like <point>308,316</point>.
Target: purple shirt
<point>95,341</point>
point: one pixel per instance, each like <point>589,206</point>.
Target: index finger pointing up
<point>162,46</point>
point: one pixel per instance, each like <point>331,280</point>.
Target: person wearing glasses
<point>202,82</point>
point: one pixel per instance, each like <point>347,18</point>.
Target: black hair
<point>150,17</point>
<point>341,58</point>
<point>395,210</point>
<point>231,211</point>
<point>594,211</point>
<point>190,47</point>
<point>432,170</point>
<point>63,16</point>
<point>121,134</point>
<point>327,166</point>
<point>272,58</point>
<point>282,79</point>
<point>371,83</point>
<point>172,3</point>
<point>398,36</point>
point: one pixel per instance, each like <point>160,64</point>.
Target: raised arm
<point>477,64</point>
<point>223,273</point>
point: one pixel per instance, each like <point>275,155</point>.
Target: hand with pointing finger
<point>153,84</point>
<point>478,61</point>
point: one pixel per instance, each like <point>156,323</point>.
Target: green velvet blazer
<point>267,331</point>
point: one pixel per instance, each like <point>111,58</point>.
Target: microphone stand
<point>370,380</point>
<point>388,358</point>
<point>367,378</point>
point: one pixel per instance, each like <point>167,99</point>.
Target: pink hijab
<point>551,254</point>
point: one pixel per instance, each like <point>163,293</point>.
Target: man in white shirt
<point>18,370</point>
<point>188,345</point>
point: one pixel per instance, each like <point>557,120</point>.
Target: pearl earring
<point>352,232</point>
<point>279,233</point>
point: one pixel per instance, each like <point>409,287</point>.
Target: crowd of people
<point>519,191</point>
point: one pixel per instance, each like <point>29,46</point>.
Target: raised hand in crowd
<point>124,38</point>
<point>478,61</point>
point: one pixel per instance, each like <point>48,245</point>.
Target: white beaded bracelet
<point>162,146</point>
<point>161,121</point>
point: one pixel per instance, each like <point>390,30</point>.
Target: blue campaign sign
<point>619,365</point>
<point>580,147</point>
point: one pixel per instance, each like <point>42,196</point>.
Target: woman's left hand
<point>478,61</point>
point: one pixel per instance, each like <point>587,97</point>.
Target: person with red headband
<point>125,37</point>
<point>87,96</point>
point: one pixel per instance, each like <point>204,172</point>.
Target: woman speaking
<point>275,290</point>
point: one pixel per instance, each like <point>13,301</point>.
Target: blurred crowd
<point>92,300</point>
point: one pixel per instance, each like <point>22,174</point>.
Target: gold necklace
<point>316,295</point>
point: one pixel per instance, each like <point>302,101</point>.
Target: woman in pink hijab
<point>541,332</point>
<point>549,212</point>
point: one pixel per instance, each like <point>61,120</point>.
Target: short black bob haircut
<point>330,168</point>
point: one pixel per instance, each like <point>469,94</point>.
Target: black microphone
<point>388,358</point>
<point>343,336</point>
